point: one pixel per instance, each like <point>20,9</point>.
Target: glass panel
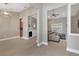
<point>57,27</point>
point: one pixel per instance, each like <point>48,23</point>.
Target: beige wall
<point>9,25</point>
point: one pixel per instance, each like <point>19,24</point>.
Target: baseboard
<point>42,43</point>
<point>25,38</point>
<point>73,50</point>
<point>10,38</point>
<point>39,44</point>
<point>45,43</point>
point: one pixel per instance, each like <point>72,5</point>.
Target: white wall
<point>9,25</point>
<point>73,42</point>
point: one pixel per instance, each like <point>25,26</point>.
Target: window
<point>57,27</point>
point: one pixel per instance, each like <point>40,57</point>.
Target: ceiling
<point>14,7</point>
<point>18,7</point>
<point>62,11</point>
<point>74,9</point>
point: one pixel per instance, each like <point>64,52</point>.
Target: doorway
<point>21,27</point>
<point>57,25</point>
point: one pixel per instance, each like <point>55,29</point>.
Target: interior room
<point>57,24</point>
<point>36,29</point>
<point>18,25</point>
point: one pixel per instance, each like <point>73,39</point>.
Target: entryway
<point>57,25</point>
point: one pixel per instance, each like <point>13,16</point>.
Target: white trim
<point>25,38</point>
<point>73,50</point>
<point>45,43</point>
<point>9,38</point>
<point>39,44</point>
<point>42,43</point>
<point>69,20</point>
<point>73,34</point>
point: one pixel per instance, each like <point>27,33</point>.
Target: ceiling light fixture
<point>54,14</point>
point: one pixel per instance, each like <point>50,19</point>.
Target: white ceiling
<point>14,7</point>
<point>74,9</point>
<point>18,7</point>
<point>62,11</point>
